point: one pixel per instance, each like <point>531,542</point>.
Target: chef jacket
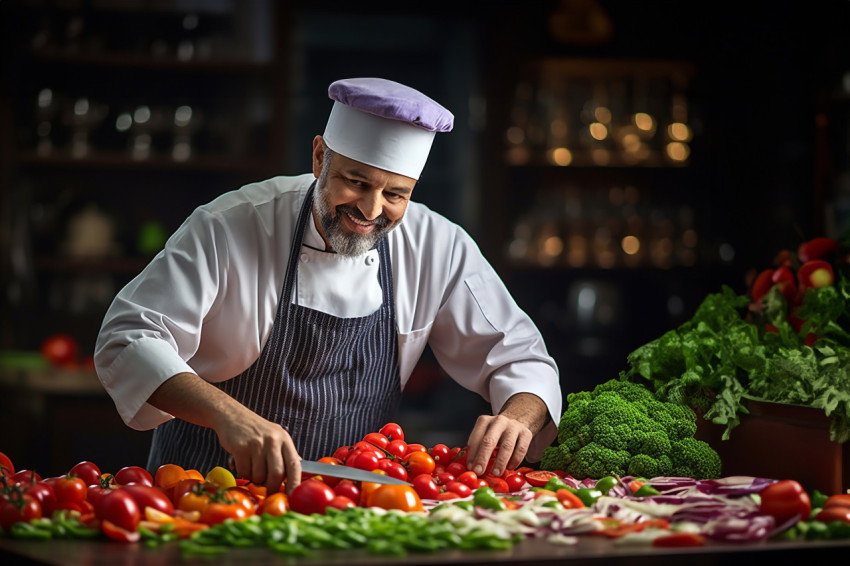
<point>207,302</point>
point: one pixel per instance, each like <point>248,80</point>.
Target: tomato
<point>148,496</point>
<point>415,448</point>
<point>18,507</point>
<point>133,474</point>
<point>275,505</point>
<point>95,491</point>
<point>367,487</point>
<point>569,499</point>
<point>456,468</point>
<point>181,488</point>
<point>539,478</point>
<point>120,534</point>
<point>377,439</point>
<point>60,349</point>
<point>679,539</point>
<point>342,452</point>
<point>397,448</point>
<point>195,499</point>
<point>425,487</point>
<point>498,484</point>
<point>6,466</point>
<point>311,496</point>
<point>459,488</point>
<point>442,478</point>
<point>469,478</point>
<point>365,461</point>
<point>349,489</point>
<point>222,477</point>
<point>392,431</point>
<point>369,449</point>
<point>440,453</point>
<point>217,512</point>
<point>401,497</point>
<point>458,454</point>
<point>785,499</point>
<point>71,489</point>
<point>393,469</point>
<point>834,513</point>
<point>43,493</point>
<point>330,480</point>
<point>840,500</point>
<point>418,463</point>
<point>515,482</point>
<point>448,495</point>
<point>119,507</point>
<point>86,471</point>
<point>241,497</point>
<point>24,477</point>
<point>341,502</point>
<point>815,273</point>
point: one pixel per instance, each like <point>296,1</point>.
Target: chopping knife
<point>346,472</point>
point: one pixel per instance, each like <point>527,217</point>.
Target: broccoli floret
<point>553,459</point>
<point>694,458</point>
<point>620,427</point>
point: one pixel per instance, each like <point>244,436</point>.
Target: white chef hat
<point>384,124</point>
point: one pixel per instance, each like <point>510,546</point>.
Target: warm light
<point>598,131</point>
<point>602,114</point>
<point>644,121</point>
<point>600,156</point>
<point>553,246</point>
<point>630,245</point>
<point>515,135</point>
<point>678,151</point>
<point>558,128</point>
<point>631,142</point>
<point>561,156</point>
<point>518,155</point>
<point>679,131</point>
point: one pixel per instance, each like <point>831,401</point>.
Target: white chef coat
<point>207,302</point>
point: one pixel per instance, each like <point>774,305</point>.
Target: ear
<point>318,155</point>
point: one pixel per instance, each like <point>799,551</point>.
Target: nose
<point>371,206</point>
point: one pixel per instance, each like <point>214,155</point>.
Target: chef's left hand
<point>522,416</point>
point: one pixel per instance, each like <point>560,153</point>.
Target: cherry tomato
<point>415,448</point>
<point>341,502</point>
<point>469,478</point>
<point>120,534</point>
<point>330,480</point>
<point>60,349</point>
<point>96,491</point>
<point>148,496</point>
<point>834,513</point>
<point>217,512</point>
<point>392,431</point>
<point>133,474</point>
<point>418,463</point>
<point>459,488</point>
<point>839,500</point>
<point>401,497</point>
<point>448,495</point>
<point>349,489</point>
<point>458,454</point>
<point>43,493</point>
<point>425,487</point>
<point>70,489</point>
<point>785,499</point>
<point>515,482</point>
<point>377,439</point>
<point>365,461</point>
<point>539,478</point>
<point>498,484</point>
<point>440,453</point>
<point>342,452</point>
<point>275,505</point>
<point>442,478</point>
<point>6,466</point>
<point>181,488</point>
<point>86,471</point>
<point>241,497</point>
<point>18,507</point>
<point>24,477</point>
<point>119,508</point>
<point>220,476</point>
<point>456,468</point>
<point>311,496</point>
<point>394,469</point>
<point>397,448</point>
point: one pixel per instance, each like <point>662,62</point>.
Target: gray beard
<point>341,240</point>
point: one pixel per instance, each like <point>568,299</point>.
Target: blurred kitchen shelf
<point>118,265</point>
<point>151,63</point>
<point>101,160</point>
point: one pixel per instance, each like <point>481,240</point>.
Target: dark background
<point>769,158</point>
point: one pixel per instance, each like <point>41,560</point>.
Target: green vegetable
<point>620,428</point>
<point>646,490</point>
<point>588,495</point>
<point>486,498</point>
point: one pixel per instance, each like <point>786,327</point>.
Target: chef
<point>282,320</point>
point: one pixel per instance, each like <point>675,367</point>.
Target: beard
<point>341,240</point>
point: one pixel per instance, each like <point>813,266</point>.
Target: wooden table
<point>590,550</point>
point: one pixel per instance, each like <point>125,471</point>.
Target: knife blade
<point>346,472</point>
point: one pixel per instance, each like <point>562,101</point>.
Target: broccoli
<point>621,428</point>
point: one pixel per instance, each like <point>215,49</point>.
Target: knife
<point>346,472</point>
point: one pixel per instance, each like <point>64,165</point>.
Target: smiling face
<point>356,204</point>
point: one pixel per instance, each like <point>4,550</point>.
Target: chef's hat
<point>384,124</point>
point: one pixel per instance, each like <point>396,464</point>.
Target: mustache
<point>381,221</point>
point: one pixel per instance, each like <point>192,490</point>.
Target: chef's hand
<point>522,416</point>
<point>262,451</point>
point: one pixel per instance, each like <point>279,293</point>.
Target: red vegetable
<point>679,539</point>
<point>784,279</point>
<point>763,283</point>
<point>815,274</point>
<point>784,500</point>
<point>817,248</point>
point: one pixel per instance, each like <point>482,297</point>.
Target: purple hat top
<point>392,100</point>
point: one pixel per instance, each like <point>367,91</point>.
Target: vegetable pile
<point>620,428</point>
<point>786,341</point>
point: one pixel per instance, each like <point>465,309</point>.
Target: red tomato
<point>147,496</point>
<point>415,448</point>
<point>60,349</point>
<point>70,489</point>
<point>425,487</point>
<point>456,468</point>
<point>86,471</point>
<point>442,478</point>
<point>119,508</point>
<point>459,488</point>
<point>349,489</point>
<point>839,500</point>
<point>20,507</point>
<point>418,463</point>
<point>95,492</point>
<point>440,453</point>
<point>394,469</point>
<point>447,495</point>
<point>342,452</point>
<point>515,482</point>
<point>24,477</point>
<point>539,478</point>
<point>275,505</point>
<point>834,513</point>
<point>377,439</point>
<point>217,512</point>
<point>120,534</point>
<point>341,502</point>
<point>498,484</point>
<point>311,496</point>
<point>392,431</point>
<point>43,493</point>
<point>365,461</point>
<point>785,499</point>
<point>679,539</point>
<point>397,448</point>
<point>330,480</point>
<point>6,466</point>
<point>458,454</point>
<point>469,478</point>
<point>133,474</point>
<point>181,488</point>
<point>762,284</point>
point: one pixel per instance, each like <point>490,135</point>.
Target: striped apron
<point>327,380</point>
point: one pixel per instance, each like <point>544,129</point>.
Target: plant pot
<point>779,441</point>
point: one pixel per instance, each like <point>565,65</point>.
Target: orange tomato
<point>194,500</point>
<point>216,513</point>
<point>195,474</point>
<point>419,463</point>
<point>167,476</point>
<point>240,497</point>
<point>367,487</point>
<point>401,497</point>
<point>275,504</point>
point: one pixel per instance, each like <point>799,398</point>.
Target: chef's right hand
<point>262,451</point>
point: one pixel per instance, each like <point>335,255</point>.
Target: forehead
<point>362,171</point>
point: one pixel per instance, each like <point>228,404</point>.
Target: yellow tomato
<point>222,477</point>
